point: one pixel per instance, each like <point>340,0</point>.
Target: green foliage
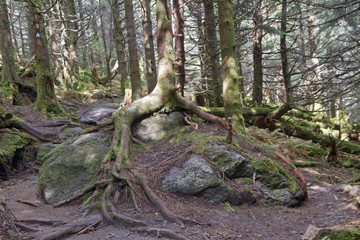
<point>228,207</point>
<point>338,235</point>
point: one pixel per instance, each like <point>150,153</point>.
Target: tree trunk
<point>46,99</point>
<point>133,54</point>
<point>232,97</point>
<point>71,70</point>
<point>257,54</point>
<point>105,45</point>
<point>284,60</point>
<point>149,45</point>
<point>58,74</point>
<point>120,45</point>
<point>178,9</point>
<point>9,75</point>
<point>211,61</point>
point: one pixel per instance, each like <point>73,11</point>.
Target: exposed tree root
<point>158,232</point>
<point>33,204</point>
<point>42,221</point>
<point>26,228</point>
<point>101,182</point>
<point>73,229</point>
<point>160,205</point>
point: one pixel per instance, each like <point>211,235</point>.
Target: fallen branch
<point>27,228</point>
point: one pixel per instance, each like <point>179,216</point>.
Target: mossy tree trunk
<point>120,45</point>
<point>46,100</point>
<point>149,45</point>
<point>257,95</point>
<point>9,75</point>
<point>232,97</point>
<point>211,57</point>
<point>133,54</point>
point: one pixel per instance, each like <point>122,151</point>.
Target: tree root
<point>33,204</point>
<point>158,232</point>
<point>42,221</point>
<point>160,205</point>
<point>73,229</point>
<point>101,182</point>
<point>27,228</point>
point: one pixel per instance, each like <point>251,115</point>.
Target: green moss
<point>306,164</point>
<point>314,150</point>
<point>338,235</point>
<point>275,176</point>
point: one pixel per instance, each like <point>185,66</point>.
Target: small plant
<point>228,207</point>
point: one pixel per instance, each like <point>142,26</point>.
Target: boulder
<point>196,177</point>
<point>43,150</point>
<point>233,164</point>
<point>72,167</point>
<point>156,126</point>
<point>95,115</point>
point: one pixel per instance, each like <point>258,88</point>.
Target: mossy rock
<point>233,164</point>
<point>43,150</point>
<point>196,177</point>
<point>12,144</point>
<point>72,167</point>
<point>338,235</point>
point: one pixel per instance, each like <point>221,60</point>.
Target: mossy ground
<point>338,235</point>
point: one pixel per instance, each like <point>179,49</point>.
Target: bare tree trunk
<point>71,72</point>
<point>120,45</point>
<point>232,97</point>
<point>106,54</point>
<point>178,9</point>
<point>58,75</point>
<point>133,54</point>
<point>257,54</point>
<point>149,45</point>
<point>211,61</point>
<point>283,53</point>
<point>22,39</point>
<point>46,99</point>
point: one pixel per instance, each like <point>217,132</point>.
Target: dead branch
<point>26,228</point>
<point>33,204</point>
<point>158,232</point>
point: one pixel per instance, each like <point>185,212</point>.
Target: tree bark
<point>120,45</point>
<point>46,99</point>
<point>178,9</point>
<point>211,61</point>
<point>232,97</point>
<point>149,46</point>
<point>71,70</point>
<point>133,54</point>
<point>257,53</point>
<point>284,59</point>
<point>9,75</point>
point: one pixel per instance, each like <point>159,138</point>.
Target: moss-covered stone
<point>338,235</point>
<point>44,150</point>
<point>72,167</point>
<point>12,144</point>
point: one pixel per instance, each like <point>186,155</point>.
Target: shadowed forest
<point>198,120</point>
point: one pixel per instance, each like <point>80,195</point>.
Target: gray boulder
<point>196,177</point>
<point>95,115</point>
<point>233,164</point>
<point>43,150</point>
<point>72,167</point>
<point>155,127</point>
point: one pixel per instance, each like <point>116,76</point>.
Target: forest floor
<point>326,205</point>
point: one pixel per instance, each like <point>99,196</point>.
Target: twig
<point>33,204</point>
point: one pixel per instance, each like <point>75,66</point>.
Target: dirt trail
<point>324,207</point>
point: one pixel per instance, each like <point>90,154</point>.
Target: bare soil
<point>325,206</point>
